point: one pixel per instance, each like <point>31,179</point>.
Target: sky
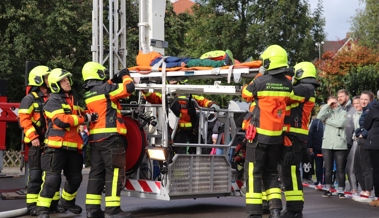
<point>337,15</point>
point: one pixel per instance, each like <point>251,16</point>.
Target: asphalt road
<point>225,207</point>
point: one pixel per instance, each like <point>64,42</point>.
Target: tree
<point>56,33</point>
<point>346,69</point>
<point>248,27</point>
<point>362,78</point>
<point>364,25</point>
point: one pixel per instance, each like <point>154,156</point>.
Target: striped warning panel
<point>237,185</point>
<point>143,186</point>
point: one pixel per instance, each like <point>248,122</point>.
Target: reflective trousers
<point>262,167</point>
<point>291,178</point>
<point>53,161</point>
<point>107,168</point>
<point>35,175</point>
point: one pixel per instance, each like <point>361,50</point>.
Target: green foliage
<point>248,27</point>
<point>363,78</point>
<point>365,24</point>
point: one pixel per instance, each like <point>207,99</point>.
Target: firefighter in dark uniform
<point>271,93</point>
<point>63,145</point>
<point>296,135</point>
<point>32,121</point>
<point>106,139</point>
<point>183,107</point>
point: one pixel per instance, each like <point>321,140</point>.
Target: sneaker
<point>341,195</point>
<point>362,198</point>
<point>326,194</point>
<point>374,203</point>
<point>84,166</point>
<point>292,214</point>
<point>308,181</point>
<point>2,174</point>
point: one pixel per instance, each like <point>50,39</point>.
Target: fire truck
<point>152,171</point>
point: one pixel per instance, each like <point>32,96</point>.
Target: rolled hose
<point>14,213</point>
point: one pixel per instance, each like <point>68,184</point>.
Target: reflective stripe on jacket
<point>64,117</point>
<point>302,103</point>
<point>104,100</point>
<point>271,94</point>
<point>30,115</point>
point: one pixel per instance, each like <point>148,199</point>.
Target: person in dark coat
<point>315,135</point>
<point>362,166</point>
<point>371,124</point>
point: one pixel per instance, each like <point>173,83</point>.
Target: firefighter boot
<point>42,212</point>
<point>70,206</point>
<point>255,216</point>
<point>95,213</point>
<point>54,208</point>
<point>292,214</point>
<point>119,215</point>
<point>265,207</point>
<point>274,213</point>
<point>32,210</point>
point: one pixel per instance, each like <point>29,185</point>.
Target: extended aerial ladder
<point>183,175</point>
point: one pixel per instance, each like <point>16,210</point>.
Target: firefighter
<point>63,145</point>
<point>183,107</point>
<point>296,135</point>
<point>32,121</point>
<point>271,93</point>
<point>107,139</point>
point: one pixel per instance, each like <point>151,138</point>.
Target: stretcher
<point>235,72</point>
<point>151,77</point>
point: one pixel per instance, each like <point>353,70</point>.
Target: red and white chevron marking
<point>143,186</point>
<point>237,185</point>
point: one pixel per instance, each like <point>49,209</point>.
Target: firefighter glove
<point>122,73</point>
<point>117,78</point>
<point>90,117</point>
<point>289,156</point>
<point>215,107</point>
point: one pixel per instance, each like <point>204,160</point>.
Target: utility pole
<point>318,44</point>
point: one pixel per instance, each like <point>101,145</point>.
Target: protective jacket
<point>63,118</point>
<point>271,95</point>
<point>302,103</point>
<point>103,98</point>
<point>31,117</point>
<point>183,112</point>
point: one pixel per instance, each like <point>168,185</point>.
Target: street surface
<point>225,207</point>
